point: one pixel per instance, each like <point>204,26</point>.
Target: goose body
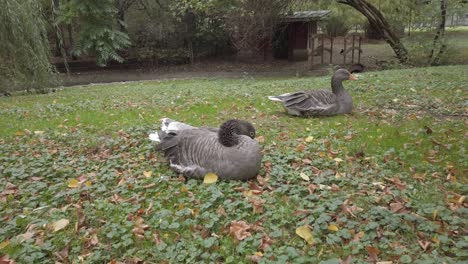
<point>228,151</point>
<point>313,103</point>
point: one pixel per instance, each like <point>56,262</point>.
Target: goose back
<point>196,152</point>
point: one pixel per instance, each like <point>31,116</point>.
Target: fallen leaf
<point>304,176</point>
<point>210,178</point>
<point>60,224</point>
<point>309,139</point>
<point>424,244</point>
<point>38,132</point>
<point>147,174</point>
<point>266,242</point>
<point>73,183</point>
<point>6,260</point>
<point>305,233</point>
<point>332,227</point>
<point>373,252</point>
<point>239,229</point>
<point>260,139</point>
<point>4,244</point>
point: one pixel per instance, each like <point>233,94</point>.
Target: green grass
<point>390,176</point>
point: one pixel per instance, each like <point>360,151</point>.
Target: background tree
<point>379,23</point>
<point>98,34</point>
<point>250,23</point>
<point>24,49</point>
<point>438,43</point>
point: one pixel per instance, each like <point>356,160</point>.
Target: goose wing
<point>311,102</point>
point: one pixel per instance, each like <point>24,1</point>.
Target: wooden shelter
<point>301,27</point>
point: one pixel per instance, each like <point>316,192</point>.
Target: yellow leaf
<point>321,154</point>
<point>19,133</point>
<point>147,173</point>
<point>337,159</point>
<point>88,183</point>
<point>305,233</point>
<point>309,139</point>
<point>210,178</point>
<point>304,176</point>
<point>435,240</point>
<point>332,227</point>
<point>258,254</point>
<point>38,132</point>
<point>60,224</point>
<point>434,214</point>
<point>73,183</point>
<point>4,244</point>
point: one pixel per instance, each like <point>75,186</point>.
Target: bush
<point>336,26</point>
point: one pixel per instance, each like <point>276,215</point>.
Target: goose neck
<point>337,86</point>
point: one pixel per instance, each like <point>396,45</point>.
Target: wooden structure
<point>301,27</point>
<point>353,38</point>
<point>320,50</point>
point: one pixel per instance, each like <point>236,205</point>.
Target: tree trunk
<point>438,38</point>
<point>376,19</point>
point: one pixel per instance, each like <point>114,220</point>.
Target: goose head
<point>229,131</point>
<point>337,79</point>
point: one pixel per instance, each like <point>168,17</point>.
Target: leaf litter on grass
<point>374,185</point>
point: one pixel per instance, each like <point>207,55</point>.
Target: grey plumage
<point>320,102</point>
<point>227,151</point>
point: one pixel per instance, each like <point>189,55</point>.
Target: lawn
<point>80,181</point>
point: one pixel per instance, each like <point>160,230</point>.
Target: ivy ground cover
<point>81,182</point>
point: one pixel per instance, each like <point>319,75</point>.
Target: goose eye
<point>252,134</point>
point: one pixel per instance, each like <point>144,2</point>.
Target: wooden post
<point>331,50</point>
<point>322,51</point>
<point>291,41</point>
<point>344,51</point>
<point>352,51</point>
<point>310,46</point>
<point>359,54</point>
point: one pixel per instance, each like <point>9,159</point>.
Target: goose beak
<point>352,77</point>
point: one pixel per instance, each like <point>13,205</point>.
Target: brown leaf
<point>6,260</point>
<point>398,183</point>
<point>239,229</point>
<point>373,252</point>
<point>139,228</point>
<point>347,260</point>
<point>255,258</point>
<point>265,243</point>
<point>257,205</point>
<point>311,188</point>
<point>221,211</point>
<point>397,207</point>
<point>424,245</point>
<point>62,255</point>
<point>428,130</point>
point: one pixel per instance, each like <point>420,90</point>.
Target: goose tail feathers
<point>154,137</point>
<point>274,98</point>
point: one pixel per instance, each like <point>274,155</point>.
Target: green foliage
<point>98,35</point>
<point>24,49</point>
<point>390,177</point>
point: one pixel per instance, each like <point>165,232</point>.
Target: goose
<point>314,103</point>
<point>230,151</point>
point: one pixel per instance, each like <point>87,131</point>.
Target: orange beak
<point>352,77</point>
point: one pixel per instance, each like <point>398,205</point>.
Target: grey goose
<point>230,151</point>
<point>314,103</point>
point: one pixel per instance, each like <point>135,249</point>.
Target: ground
<point>81,182</point>
<point>377,55</point>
